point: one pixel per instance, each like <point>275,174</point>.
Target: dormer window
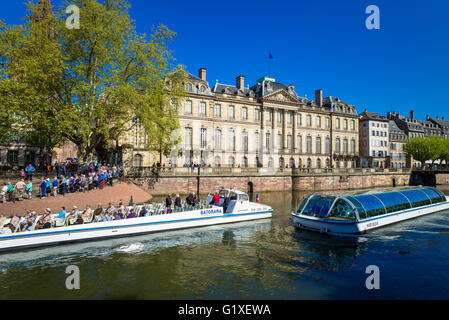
<point>189,87</point>
<point>202,89</point>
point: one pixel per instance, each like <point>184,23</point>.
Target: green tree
<point>113,75</point>
<point>445,151</point>
<point>436,147</point>
<point>419,148</point>
<point>30,84</point>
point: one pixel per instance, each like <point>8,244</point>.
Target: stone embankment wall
<point>280,182</point>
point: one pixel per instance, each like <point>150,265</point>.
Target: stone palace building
<point>266,125</point>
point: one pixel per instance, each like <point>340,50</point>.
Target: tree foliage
<point>89,85</point>
<point>432,148</point>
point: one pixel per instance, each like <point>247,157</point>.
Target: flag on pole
<point>257,197</point>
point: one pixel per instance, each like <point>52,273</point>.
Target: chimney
<point>240,82</point>
<point>427,117</point>
<point>388,115</point>
<point>202,74</point>
<point>319,97</point>
<point>412,115</point>
<point>437,118</point>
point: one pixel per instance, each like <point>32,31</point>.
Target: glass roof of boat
<point>363,204</point>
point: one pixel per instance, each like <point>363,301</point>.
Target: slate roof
<point>367,115</point>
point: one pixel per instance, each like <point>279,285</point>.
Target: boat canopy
<point>360,205</point>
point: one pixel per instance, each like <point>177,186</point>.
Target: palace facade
<point>266,125</point>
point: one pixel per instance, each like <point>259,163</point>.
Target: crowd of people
<point>68,178</point>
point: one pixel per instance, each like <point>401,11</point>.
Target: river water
<point>265,259</point>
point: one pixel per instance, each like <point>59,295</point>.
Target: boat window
<point>434,196</point>
<point>359,207</point>
<point>233,196</point>
<point>303,203</point>
<point>372,205</point>
<point>318,206</point>
<point>342,210</point>
<point>443,197</point>
<point>243,197</point>
<point>417,198</point>
<point>223,193</point>
<point>394,201</point>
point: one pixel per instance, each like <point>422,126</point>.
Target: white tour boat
<point>356,212</point>
<point>239,209</point>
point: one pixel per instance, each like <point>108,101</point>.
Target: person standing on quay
<point>29,189</point>
<point>43,188</point>
<point>30,171</point>
<point>55,186</point>
<point>19,188</point>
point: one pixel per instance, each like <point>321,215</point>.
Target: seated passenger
<point>99,210</point>
<point>131,214</point>
<point>73,214</point>
<point>118,216</point>
<point>15,221</point>
<point>7,229</point>
<point>45,221</point>
<point>62,214</point>
<point>143,212</point>
<point>111,209</point>
<point>28,226</point>
<point>87,214</point>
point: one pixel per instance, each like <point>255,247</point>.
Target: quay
<point>184,180</point>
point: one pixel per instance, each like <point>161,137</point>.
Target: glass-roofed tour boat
<point>356,212</point>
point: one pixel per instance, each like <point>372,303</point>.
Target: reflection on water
<point>265,259</point>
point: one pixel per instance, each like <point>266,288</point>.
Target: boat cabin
<point>360,205</point>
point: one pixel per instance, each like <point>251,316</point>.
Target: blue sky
<point>315,44</point>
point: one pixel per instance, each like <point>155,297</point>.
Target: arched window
<point>309,163</point>
<point>345,145</point>
<point>327,146</point>
<point>291,163</point>
<point>217,162</point>
<point>318,163</point>
<point>189,87</point>
<point>281,162</point>
<point>138,160</point>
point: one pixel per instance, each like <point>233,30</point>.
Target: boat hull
<point>123,228</point>
<point>360,227</point>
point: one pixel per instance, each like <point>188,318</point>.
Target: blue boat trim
<point>371,219</point>
<point>127,226</point>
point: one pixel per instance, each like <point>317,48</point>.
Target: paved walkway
<point>122,191</point>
